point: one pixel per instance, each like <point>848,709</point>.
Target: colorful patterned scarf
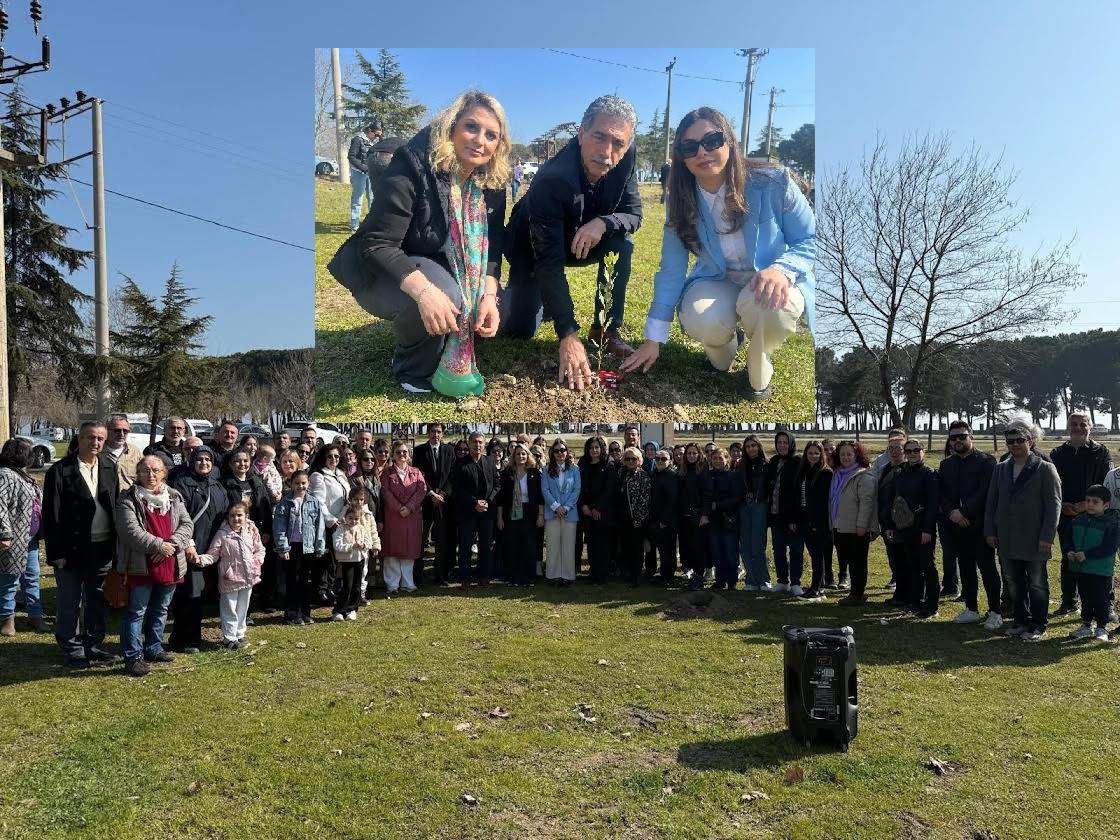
<point>457,374</point>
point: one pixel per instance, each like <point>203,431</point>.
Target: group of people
<point>428,256</point>
<point>300,524</point>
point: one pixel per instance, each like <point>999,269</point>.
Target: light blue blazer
<point>779,230</point>
<point>563,491</point>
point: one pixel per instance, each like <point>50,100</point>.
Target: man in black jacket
<point>1081,463</point>
<point>475,491</point>
<point>359,180</point>
<point>965,476</point>
<point>377,160</point>
<point>435,459</point>
<point>583,206</point>
<point>79,494</point>
<point>171,448</point>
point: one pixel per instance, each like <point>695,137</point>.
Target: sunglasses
<point>630,458</point>
<point>711,141</point>
<point>304,451</point>
<point>661,458</point>
<point>910,450</point>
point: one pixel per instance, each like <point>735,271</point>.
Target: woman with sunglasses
<point>560,485</point>
<point>753,235</point>
<point>631,513</point>
<point>331,486</point>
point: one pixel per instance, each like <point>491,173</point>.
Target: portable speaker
<point>820,684</point>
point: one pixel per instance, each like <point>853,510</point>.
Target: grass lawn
<point>354,350</point>
<point>377,728</point>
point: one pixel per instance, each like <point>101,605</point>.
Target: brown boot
<point>8,628</point>
<point>616,346</point>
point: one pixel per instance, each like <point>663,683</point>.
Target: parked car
<point>1100,429</point>
<point>200,429</point>
<point>528,170</point>
<point>325,165</point>
<point>327,431</point>
<point>42,450</point>
<point>254,429</point>
<point>140,433</point>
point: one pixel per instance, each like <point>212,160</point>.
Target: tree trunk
<point>152,421</point>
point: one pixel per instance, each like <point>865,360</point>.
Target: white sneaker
<point>1101,634</point>
<point>967,617</point>
<point>780,587</point>
<point>352,615</point>
<point>710,574</point>
<point>765,587</point>
<point>1016,630</point>
<point>796,590</point>
<point>750,587</point>
<point>1081,632</point>
<point>338,617</point>
<point>742,574</point>
<point>413,389</point>
<point>1032,636</point>
<point>994,622</point>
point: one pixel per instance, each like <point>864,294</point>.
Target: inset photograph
<point>634,244</point>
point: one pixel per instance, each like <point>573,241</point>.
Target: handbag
<point>346,266</point>
<point>115,589</point>
<point>901,514</point>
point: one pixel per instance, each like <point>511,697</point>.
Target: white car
<point>528,170</point>
<point>200,429</point>
<point>42,450</point>
<point>327,432</point>
<point>1100,429</point>
<point>139,433</point>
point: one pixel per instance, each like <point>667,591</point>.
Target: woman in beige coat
<point>852,513</point>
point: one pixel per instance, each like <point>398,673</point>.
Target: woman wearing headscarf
<point>21,512</point>
<point>154,531</point>
<point>206,501</point>
<point>431,246</point>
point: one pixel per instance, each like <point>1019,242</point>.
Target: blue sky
<point>1022,80</point>
<point>540,88</point>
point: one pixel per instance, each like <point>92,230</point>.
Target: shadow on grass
<point>765,750</point>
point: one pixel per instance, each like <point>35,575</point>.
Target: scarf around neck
<point>457,374</point>
<point>156,502</point>
<point>839,479</point>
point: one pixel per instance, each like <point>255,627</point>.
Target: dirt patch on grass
<point>618,760</point>
<point>912,827</point>
<point>701,604</point>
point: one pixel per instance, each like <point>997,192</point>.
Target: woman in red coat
<point>402,492</point>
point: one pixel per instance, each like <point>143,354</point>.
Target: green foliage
<point>154,357</point>
<point>777,136</point>
<point>651,145</point>
<point>799,151</point>
<point>44,323</point>
<point>384,94</point>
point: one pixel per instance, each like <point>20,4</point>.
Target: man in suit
<point>475,491</point>
<point>583,207</point>
<point>435,459</point>
<point>79,495</point>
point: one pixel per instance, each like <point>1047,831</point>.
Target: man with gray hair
<point>583,205</point>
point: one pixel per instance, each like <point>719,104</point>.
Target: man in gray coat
<point>1020,522</point>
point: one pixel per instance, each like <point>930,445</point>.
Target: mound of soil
<point>701,604</point>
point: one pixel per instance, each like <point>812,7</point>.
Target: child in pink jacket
<point>239,553</point>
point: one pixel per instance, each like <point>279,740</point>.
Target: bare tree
<point>914,257</point>
<point>293,383</point>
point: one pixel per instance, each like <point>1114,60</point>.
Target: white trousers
<point>560,549</point>
<point>712,309</point>
<point>398,574</point>
<point>234,610</point>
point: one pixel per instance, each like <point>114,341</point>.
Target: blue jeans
<point>359,186</point>
<point>516,187</point>
<point>79,633</point>
<point>1030,591</point>
<point>29,582</point>
<point>470,524</point>
<point>752,542</point>
<point>788,569</point>
<point>147,613</point>
<point>8,586</point>
<point>721,544</point>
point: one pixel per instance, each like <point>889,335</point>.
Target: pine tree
<point>152,359</point>
<point>44,323</point>
<point>385,94</point>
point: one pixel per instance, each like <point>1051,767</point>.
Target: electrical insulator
<point>36,13</point>
<point>3,23</point>
<point>65,103</point>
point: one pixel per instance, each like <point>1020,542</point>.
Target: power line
<point>642,69</point>
<point>199,218</point>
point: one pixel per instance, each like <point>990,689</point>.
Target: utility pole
<point>100,264</point>
<point>753,56</point>
<point>668,107</point>
<point>12,68</point>
<point>339,138</point>
<point>770,119</point>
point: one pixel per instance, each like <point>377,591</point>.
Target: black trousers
<point>851,551</point>
<point>299,571</point>
<point>520,550</point>
<point>631,537</point>
<point>921,570</point>
<point>349,584</point>
<point>819,545</point>
<point>665,544</point>
<point>186,617</point>
<point>324,573</point>
<point>694,546</point>
<point>974,554</point>
<point>600,544</point>
<point>1096,597</point>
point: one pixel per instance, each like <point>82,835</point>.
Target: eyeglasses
<point>962,436</point>
<point>304,451</point>
<point>661,458</point>
<point>630,458</point>
<point>910,450</point>
<point>711,141</point>
<point>1015,440</point>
